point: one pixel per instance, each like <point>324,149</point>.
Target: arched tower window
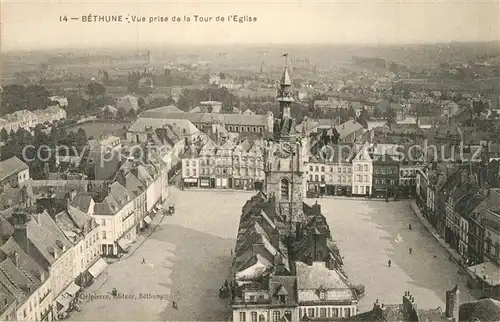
<point>285,188</point>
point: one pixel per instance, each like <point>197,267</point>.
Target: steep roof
<point>47,237</point>
<point>11,166</point>
<point>482,310</point>
<point>316,275</point>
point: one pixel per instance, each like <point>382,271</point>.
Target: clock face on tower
<point>284,150</point>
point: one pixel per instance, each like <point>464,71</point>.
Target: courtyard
<point>189,254</point>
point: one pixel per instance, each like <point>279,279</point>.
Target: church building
<point>284,248</point>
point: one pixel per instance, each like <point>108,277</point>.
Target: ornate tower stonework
<point>283,163</point>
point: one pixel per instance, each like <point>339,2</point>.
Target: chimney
<point>15,258</point>
<point>275,238</point>
<point>452,304</point>
<point>20,221</point>
<point>409,307</point>
<point>298,231</point>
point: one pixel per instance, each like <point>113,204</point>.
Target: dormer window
<point>322,295</point>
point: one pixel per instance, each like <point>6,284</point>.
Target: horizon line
<point>246,44</point>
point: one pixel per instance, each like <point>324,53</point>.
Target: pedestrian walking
<point>409,226</point>
<point>143,260</point>
<point>174,305</point>
<point>389,263</point>
<point>410,250</point>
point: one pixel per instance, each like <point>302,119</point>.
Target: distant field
<point>98,129</point>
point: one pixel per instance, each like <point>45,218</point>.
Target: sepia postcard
<point>250,161</point>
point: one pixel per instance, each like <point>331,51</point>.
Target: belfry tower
<point>283,163</point>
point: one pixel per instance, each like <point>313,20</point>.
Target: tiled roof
<point>11,166</point>
<point>82,202</point>
<point>480,310</point>
<point>227,119</point>
<point>283,285</point>
<point>348,128</point>
<point>44,233</point>
<point>27,265</point>
<point>316,275</point>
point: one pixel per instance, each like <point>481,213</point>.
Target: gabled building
<point>13,172</point>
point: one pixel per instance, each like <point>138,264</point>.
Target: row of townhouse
<point>126,206</point>
<point>45,261</point>
<point>28,119</point>
<point>168,137</point>
<point>456,200</point>
<point>230,164</point>
<point>368,169</point>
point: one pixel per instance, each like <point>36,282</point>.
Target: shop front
<point>221,183</point>
<point>205,182</point>
<point>380,192</point>
<point>322,189</point>
<point>241,183</point>
<point>190,182</point>
<point>97,268</point>
<point>67,300</point>
<point>343,190</point>
<point>330,190</point>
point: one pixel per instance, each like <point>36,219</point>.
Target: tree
<point>351,113</point>
<point>141,103</point>
<point>391,116</point>
<point>95,90</point>
<point>363,118</point>
<point>132,113</point>
<point>4,136</point>
<point>80,139</point>
<point>120,114</point>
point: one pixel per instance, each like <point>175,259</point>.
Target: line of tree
<point>18,97</point>
<point>190,98</point>
<point>37,150</point>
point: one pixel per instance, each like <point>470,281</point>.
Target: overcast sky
<point>35,24</point>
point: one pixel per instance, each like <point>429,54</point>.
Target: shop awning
<point>64,302</point>
<point>147,219</point>
<point>96,269</point>
<point>72,289</point>
<point>190,180</point>
<point>488,270</point>
<point>123,244</point>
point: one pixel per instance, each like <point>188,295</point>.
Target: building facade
<point>362,171</point>
<point>385,176</point>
